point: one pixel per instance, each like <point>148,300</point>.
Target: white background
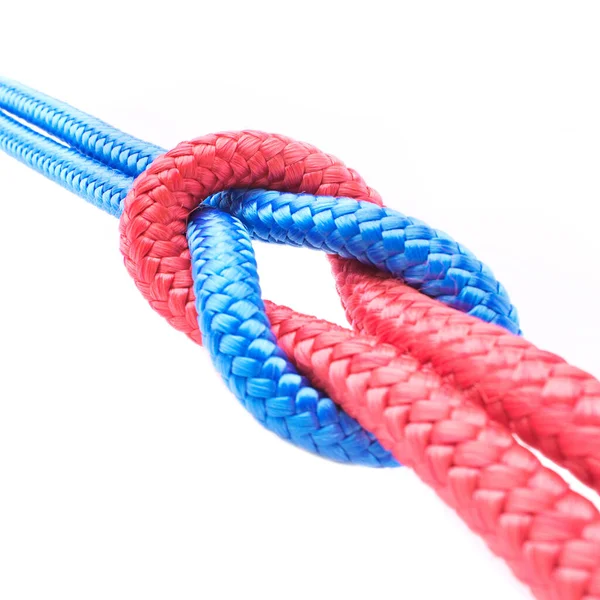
<point>126,469</point>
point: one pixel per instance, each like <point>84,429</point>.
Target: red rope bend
<point>420,382</point>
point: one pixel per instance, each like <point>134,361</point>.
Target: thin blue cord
<point>237,333</point>
<point>104,187</point>
<point>91,136</point>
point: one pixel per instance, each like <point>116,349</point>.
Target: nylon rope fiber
<point>420,382</point>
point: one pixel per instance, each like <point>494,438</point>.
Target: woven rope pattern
<point>552,405</point>
<point>98,184</point>
<point>236,331</point>
<point>153,224</point>
<point>548,534</point>
<point>88,135</point>
<point>418,401</point>
<point>527,514</point>
<point>427,259</point>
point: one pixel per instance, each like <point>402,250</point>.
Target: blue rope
<point>424,258</point>
<point>104,187</point>
<point>237,333</point>
<point>99,163</point>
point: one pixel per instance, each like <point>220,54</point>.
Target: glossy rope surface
<point>427,259</point>
<point>236,331</point>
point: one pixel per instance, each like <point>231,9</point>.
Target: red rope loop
<point>153,224</point>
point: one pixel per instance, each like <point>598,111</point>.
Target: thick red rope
<point>548,534</point>
<point>419,407</point>
<point>550,404</point>
<point>153,223</point>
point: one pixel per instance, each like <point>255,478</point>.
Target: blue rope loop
<point>424,258</point>
<point>237,334</point>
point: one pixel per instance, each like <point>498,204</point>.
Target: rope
<point>236,331</point>
<point>416,383</point>
<point>104,187</point>
<point>428,423</point>
<point>100,163</point>
<point>547,534</point>
<point>550,404</point>
<point>84,133</point>
<point>427,259</point>
<point>526,513</point>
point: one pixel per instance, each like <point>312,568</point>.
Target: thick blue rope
<point>237,333</point>
<point>424,258</point>
<point>99,163</point>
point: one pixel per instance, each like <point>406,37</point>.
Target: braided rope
<point>526,513</point>
<point>552,405</point>
<point>106,187</point>
<point>101,161</point>
<point>425,258</point>
<point>236,331</point>
<point>88,135</point>
<point>418,400</point>
<point>548,534</point>
<point>102,186</point>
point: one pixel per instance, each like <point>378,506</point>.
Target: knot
<point>443,391</point>
<point>156,210</point>
<point>153,241</point>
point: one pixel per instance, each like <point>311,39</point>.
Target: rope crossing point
<point>439,390</point>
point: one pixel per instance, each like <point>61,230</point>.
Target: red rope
<point>416,395</point>
<point>548,534</point>
<point>550,404</point>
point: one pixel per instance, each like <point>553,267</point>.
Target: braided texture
<point>443,392</point>
<point>552,405</point>
<point>236,331</point>
<point>548,534</point>
<point>86,134</point>
<point>425,258</point>
<point>153,223</point>
<point>102,186</point>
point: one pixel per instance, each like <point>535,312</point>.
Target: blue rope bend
<point>237,333</point>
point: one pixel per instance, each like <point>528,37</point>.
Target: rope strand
<point>428,260</point>
<point>550,404</point>
<point>236,331</point>
<point>88,135</point>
